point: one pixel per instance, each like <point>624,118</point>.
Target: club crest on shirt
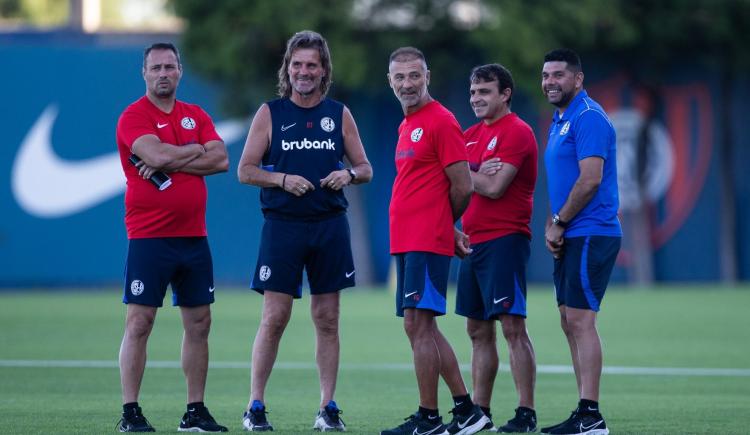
<point>327,124</point>
<point>565,128</point>
<point>416,134</point>
<point>187,123</point>
<point>492,144</point>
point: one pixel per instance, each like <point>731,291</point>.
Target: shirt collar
<point>572,107</point>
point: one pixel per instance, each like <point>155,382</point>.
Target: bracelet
<point>283,182</point>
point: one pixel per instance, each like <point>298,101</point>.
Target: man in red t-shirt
<point>495,244</point>
<point>430,193</point>
<point>167,231</point>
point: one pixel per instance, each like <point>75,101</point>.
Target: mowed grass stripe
<point>543,368</point>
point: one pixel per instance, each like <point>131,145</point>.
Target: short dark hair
<point>161,46</point>
<point>565,55</point>
<point>493,72</point>
<point>306,39</point>
<point>405,54</point>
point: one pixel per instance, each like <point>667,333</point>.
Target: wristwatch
<point>557,221</point>
<point>351,174</point>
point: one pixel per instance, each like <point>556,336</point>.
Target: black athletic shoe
<point>581,423</point>
<point>524,421</point>
<point>489,426</point>
<point>199,420</point>
<point>328,419</point>
<point>573,415</point>
<point>255,420</point>
<point>469,423</point>
<point>417,424</point>
<point>134,421</point>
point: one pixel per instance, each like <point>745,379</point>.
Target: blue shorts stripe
<point>585,283</point>
<point>431,298</point>
<point>519,301</point>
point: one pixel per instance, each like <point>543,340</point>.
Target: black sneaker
<point>573,415</point>
<point>417,424</point>
<point>582,423</point>
<point>524,421</point>
<point>489,426</point>
<point>134,421</point>
<point>199,420</point>
<point>469,423</point>
<point>255,420</point>
<point>328,419</point>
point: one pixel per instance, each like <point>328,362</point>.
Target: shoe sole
<point>474,428</point>
<point>196,429</point>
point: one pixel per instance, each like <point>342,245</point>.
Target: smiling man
<point>295,153</point>
<point>583,233</point>
<point>496,244</point>
<point>167,232</point>
<point>430,193</point>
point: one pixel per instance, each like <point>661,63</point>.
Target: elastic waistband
<point>274,215</point>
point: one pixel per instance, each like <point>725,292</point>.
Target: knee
<point>514,330</point>
<point>326,323</point>
<point>139,327</point>
<point>199,328</point>
<point>274,324</point>
<point>417,325</point>
<point>481,333</point>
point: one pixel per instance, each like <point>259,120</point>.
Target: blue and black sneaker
<point>254,419</point>
<point>328,419</point>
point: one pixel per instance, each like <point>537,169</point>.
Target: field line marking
<point>543,368</point>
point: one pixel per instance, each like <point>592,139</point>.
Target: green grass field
<point>693,328</point>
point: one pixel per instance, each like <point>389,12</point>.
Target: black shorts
<point>183,262</point>
<point>323,248</point>
<point>492,279</point>
<point>582,273</point>
<point>422,281</point>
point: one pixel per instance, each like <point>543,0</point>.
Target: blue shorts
<point>323,248</point>
<point>183,262</point>
<point>582,273</point>
<point>492,280</point>
<point>422,281</point>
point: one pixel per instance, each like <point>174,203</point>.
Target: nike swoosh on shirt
<point>497,301</point>
<point>406,295</point>
<point>160,125</point>
<point>46,186</point>
<point>287,127</point>
<point>471,143</point>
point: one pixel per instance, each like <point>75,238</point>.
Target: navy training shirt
<point>307,142</point>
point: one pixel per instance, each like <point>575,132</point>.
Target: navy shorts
<point>323,248</point>
<point>582,273</point>
<point>492,280</point>
<point>422,281</point>
<point>183,262</point>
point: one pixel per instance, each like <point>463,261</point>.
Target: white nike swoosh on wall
<point>46,186</point>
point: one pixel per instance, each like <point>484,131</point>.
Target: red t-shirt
<point>179,210</point>
<point>420,214</point>
<point>512,140</point>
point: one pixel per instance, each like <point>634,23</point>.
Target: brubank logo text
<point>306,144</point>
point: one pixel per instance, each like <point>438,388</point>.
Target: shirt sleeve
<point>593,135</point>
<point>133,125</point>
<point>208,129</point>
<point>516,146</point>
<point>449,141</point>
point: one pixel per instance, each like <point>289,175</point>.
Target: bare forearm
<point>579,197</point>
<point>255,176</point>
<point>482,184</point>
<point>364,173</point>
<point>212,162</point>
<point>459,201</point>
